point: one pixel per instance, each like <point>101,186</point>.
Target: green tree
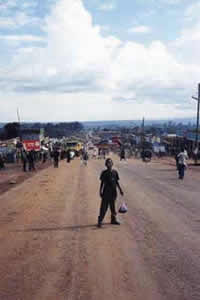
<point>11,130</point>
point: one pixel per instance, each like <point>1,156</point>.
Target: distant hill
<point>132,123</point>
<point>118,123</point>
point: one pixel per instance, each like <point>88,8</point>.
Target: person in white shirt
<point>182,164</point>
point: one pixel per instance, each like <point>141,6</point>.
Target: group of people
<point>102,153</point>
<point>109,178</point>
<point>69,156</point>
<point>56,155</point>
<point>28,159</point>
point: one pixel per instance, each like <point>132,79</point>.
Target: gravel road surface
<point>51,248</point>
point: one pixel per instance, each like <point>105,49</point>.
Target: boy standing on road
<point>108,192</point>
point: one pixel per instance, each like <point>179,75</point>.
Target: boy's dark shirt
<point>110,179</point>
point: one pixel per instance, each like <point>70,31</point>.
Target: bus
<point>75,146</point>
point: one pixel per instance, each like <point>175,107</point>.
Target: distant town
<point>163,138</point>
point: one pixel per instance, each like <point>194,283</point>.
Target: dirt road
<point>51,248</point>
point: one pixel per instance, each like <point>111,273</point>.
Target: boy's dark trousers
<point>105,202</point>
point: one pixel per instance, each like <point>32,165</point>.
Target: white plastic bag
<point>123,208</point>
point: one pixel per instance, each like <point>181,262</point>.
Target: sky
<point>89,60</point>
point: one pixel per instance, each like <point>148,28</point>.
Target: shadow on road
<point>60,228</point>
<point>166,170</point>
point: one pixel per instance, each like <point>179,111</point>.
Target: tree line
<point>53,130</point>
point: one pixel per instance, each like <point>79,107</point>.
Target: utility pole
<point>19,121</point>
<point>197,124</point>
<point>18,116</point>
<point>142,136</point>
<point>143,132</point>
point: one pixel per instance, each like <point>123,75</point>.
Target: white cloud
<point>79,67</point>
<point>18,20</point>
<point>8,4</point>
<point>172,2</point>
<point>23,37</point>
<point>107,6</point>
<point>29,5</point>
<point>189,35</point>
<point>140,29</point>
<point>187,45</point>
<point>6,22</point>
<point>192,11</point>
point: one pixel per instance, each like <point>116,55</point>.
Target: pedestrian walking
<point>68,156</point>
<point>24,159</point>
<point>122,154</point>
<point>56,158</point>
<point>31,160</point>
<point>85,158</point>
<point>2,165</point>
<point>104,153</point>
<point>44,157</point>
<point>182,164</point>
<point>176,159</point>
<point>108,192</point>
